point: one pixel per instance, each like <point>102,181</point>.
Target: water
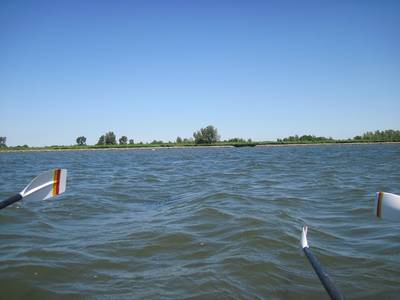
<point>218,223</point>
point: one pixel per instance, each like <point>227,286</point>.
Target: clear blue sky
<point>162,69</point>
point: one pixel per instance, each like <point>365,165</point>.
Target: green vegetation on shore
<point>380,136</point>
<point>209,137</point>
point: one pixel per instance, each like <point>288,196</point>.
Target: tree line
<point>380,136</point>
<point>209,136</point>
<point>306,139</point>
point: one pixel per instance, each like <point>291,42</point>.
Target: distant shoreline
<point>157,147</point>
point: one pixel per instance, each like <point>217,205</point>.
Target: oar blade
<point>387,206</point>
<point>46,185</point>
<point>304,242</point>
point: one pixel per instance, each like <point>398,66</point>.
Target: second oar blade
<point>387,206</point>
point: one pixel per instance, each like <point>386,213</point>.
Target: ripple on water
<point>201,224</point>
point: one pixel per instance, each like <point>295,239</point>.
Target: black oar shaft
<point>323,276</point>
<point>10,200</point>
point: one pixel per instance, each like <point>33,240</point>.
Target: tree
<point>107,139</point>
<point>110,138</point>
<point>123,140</point>
<point>307,138</point>
<point>81,140</point>
<point>206,135</point>
<point>3,140</point>
<point>179,140</point>
<point>102,140</point>
<point>157,142</point>
<point>131,142</point>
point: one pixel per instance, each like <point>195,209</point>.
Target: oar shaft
<point>328,284</point>
<point>10,200</point>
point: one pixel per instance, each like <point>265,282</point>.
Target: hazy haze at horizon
<point>162,69</point>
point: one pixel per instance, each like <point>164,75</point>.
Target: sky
<point>161,69</point>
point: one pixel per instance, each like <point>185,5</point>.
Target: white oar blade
<point>304,242</point>
<point>387,206</point>
<point>46,185</point>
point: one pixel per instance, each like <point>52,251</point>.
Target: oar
<point>44,186</point>
<point>319,270</point>
<point>387,206</point>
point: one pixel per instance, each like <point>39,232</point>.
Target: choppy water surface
<point>201,224</point>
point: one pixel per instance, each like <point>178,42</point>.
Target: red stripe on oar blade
<point>379,205</point>
<point>56,184</point>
